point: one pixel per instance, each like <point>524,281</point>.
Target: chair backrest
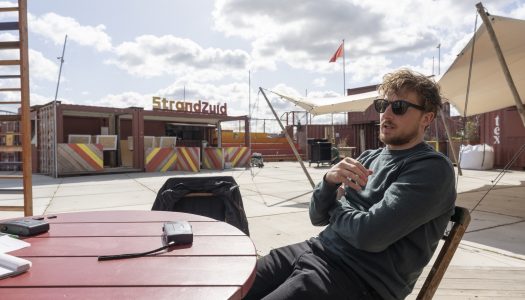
<point>217,197</point>
<point>461,219</point>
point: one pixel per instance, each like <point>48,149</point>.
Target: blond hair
<point>404,80</point>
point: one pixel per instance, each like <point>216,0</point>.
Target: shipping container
<point>504,130</point>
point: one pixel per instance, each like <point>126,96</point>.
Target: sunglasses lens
<point>399,107</point>
<point>380,105</point>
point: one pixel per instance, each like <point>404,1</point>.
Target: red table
<point>220,264</point>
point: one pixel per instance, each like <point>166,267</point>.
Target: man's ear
<point>428,117</point>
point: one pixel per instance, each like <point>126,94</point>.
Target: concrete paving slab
<point>7,197</point>
<point>44,191</point>
<point>271,200</point>
<point>103,200</point>
<point>40,206</point>
<point>256,208</point>
<point>482,220</point>
<point>509,237</point>
<point>496,201</point>
<point>99,189</point>
<point>38,192</point>
<point>471,254</point>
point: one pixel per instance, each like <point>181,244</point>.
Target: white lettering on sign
<point>201,107</point>
<point>496,131</point>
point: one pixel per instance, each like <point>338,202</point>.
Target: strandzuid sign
<point>201,107</point>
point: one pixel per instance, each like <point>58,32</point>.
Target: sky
<point>121,53</point>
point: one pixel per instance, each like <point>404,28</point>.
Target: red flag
<point>337,53</point>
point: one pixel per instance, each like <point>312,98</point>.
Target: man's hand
<point>350,172</point>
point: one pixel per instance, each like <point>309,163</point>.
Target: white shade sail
<point>488,88</point>
<point>319,106</point>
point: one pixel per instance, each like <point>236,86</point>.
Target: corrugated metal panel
<point>349,135</point>
<point>369,115</point>
<point>46,139</point>
<point>366,136</point>
<point>342,133</point>
<point>503,130</point>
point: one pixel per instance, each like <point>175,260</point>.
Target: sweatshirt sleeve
<point>323,199</point>
<point>422,192</point>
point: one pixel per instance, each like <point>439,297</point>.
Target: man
<point>381,233</point>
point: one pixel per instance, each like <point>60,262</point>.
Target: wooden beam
<point>5,9</point>
<point>289,139</point>
<point>12,208</point>
<point>12,62</point>
<point>9,26</point>
<point>25,109</point>
<point>11,177</point>
<point>9,45</point>
<point>10,118</point>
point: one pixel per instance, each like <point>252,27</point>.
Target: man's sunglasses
<point>399,107</point>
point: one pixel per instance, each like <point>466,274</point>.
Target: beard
<point>400,139</point>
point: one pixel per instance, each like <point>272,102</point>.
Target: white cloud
<point>304,34</point>
<point>8,15</point>
<point>37,99</point>
<point>125,99</point>
<point>323,94</point>
<point>519,12</point>
<point>319,82</point>
<point>235,94</point>
<point>55,27</point>
<point>368,67</point>
<point>379,35</point>
<point>41,67</point>
<point>150,55</point>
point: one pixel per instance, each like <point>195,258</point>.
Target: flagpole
<point>344,77</point>
<point>439,59</point>
<point>344,73</point>
<point>340,52</point>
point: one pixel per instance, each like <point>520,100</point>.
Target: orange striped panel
<point>160,159</point>
<point>213,158</point>
<point>79,158</point>
<point>189,159</point>
<point>238,156</point>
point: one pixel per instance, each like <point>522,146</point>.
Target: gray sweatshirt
<point>388,232</point>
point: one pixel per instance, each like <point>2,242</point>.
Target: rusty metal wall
<point>348,135</point>
<point>365,137</point>
<point>368,116</point>
<point>504,130</point>
<point>82,125</point>
<point>342,132</point>
<point>46,139</point>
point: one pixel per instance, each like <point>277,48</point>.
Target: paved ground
<point>489,264</point>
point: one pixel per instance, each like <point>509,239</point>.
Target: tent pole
<point>503,63</point>
<point>450,140</point>
<point>289,139</point>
